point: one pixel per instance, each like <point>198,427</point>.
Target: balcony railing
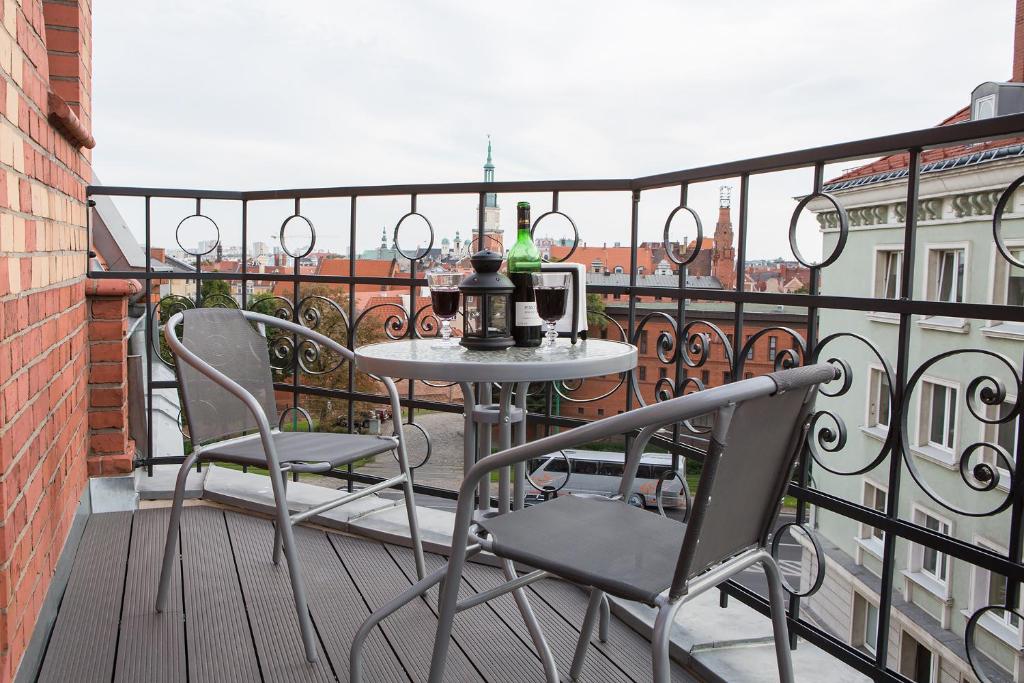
<point>974,482</point>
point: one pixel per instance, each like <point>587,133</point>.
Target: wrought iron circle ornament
<point>542,488</point>
<point>983,391</point>
<point>844,229</point>
<point>284,243</point>
<point>566,388</point>
<point>427,440</point>
<point>700,236</point>
<point>824,438</point>
<point>997,222</point>
<point>819,552</point>
<point>784,358</point>
<point>666,348</point>
<point>660,490</point>
<point>177,234</point>
<point>572,224</point>
<point>296,409</point>
<point>430,244</point>
<point>972,625</point>
<point>395,324</point>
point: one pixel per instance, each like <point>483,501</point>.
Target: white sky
<point>233,94</point>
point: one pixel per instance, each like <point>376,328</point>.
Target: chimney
<point>1018,44</point>
<point>157,253</point>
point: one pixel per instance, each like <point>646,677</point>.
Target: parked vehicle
<point>600,472</point>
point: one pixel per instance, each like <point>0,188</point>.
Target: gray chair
<point>224,375</point>
<point>613,548</point>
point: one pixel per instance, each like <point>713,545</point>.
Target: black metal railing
<point>686,346</point>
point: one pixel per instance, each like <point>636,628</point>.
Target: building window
<point>875,498</point>
<point>705,377</point>
<point>865,623</point>
<point>946,274</point>
<point>1008,285</point>
<point>938,415</point>
<point>1002,434</point>
<point>926,560</point>
<point>662,373</point>
<point>916,661</point>
<point>750,351</point>
<point>596,266</point>
<point>600,412</point>
<point>726,377</point>
<point>748,375</point>
<point>989,588</point>
<point>617,297</point>
<point>643,341</point>
<point>643,372</point>
<point>888,265</point>
<point>618,270</point>
<point>773,343</point>
<point>579,411</point>
<point>604,333</point>
<point>879,399</point>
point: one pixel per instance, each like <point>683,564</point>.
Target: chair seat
<point>620,549</point>
<point>304,451</point>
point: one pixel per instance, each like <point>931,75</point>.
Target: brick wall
<point>110,449</point>
<point>44,47</point>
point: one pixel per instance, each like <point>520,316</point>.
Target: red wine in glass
<point>445,302</point>
<point>551,303</point>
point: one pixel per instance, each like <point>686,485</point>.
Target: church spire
<point>491,199</point>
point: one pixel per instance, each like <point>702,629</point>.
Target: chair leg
<point>410,510</point>
<point>446,615</point>
<point>594,612</point>
<point>172,533</point>
<point>533,626</point>
<point>606,617</point>
<point>277,526</point>
<point>777,600</point>
<point>284,527</point>
<point>660,641</point>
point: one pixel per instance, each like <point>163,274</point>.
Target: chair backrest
<point>223,338</point>
<point>754,446</point>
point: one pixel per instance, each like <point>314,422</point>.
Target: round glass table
<point>477,372</point>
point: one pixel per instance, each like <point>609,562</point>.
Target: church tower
<point>493,235</point>
<point>723,258</point>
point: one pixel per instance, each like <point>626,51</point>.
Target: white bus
<point>600,472</point>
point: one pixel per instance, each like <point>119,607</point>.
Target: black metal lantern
<point>486,302</point>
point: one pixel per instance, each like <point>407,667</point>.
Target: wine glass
<point>551,291</point>
<point>444,298</point>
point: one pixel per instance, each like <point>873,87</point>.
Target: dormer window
<point>984,107</point>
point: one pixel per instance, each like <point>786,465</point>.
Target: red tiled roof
<point>895,162</point>
<point>610,257</point>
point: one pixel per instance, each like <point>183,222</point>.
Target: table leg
<point>504,443</point>
<point>484,446</point>
<point>519,469</point>
<point>469,426</point>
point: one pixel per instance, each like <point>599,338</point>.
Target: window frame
<point>882,252</point>
<point>923,446</point>
<point>930,285</point>
<point>866,538</point>
<point>978,597</point>
<point>999,284</point>
<point>916,572</point>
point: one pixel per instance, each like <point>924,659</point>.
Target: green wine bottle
<point>523,261</point>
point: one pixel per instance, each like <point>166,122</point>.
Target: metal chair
<point>603,543</point>
<point>227,390</point>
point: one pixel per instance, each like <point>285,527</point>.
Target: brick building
<point>45,390</point>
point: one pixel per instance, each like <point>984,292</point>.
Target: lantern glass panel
<point>473,314</point>
<point>499,315</point>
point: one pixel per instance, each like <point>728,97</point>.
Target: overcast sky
<point>233,94</point>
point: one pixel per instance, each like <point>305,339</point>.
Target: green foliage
<point>210,288</point>
<point>595,312</point>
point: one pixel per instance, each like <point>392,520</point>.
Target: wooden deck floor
<point>232,617</point>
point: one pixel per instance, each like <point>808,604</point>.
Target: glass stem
<point>446,330</point>
<point>552,334</point>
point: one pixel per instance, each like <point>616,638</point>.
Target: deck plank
<point>410,630</point>
<point>220,646</point>
<point>560,634</point>
<point>338,610</point>
<point>479,631</point>
<point>91,604</point>
<point>152,644</point>
<point>269,600</point>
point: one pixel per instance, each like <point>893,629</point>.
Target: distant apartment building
<point>955,261</point>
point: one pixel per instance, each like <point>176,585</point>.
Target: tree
<point>215,289</point>
<point>595,312</point>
